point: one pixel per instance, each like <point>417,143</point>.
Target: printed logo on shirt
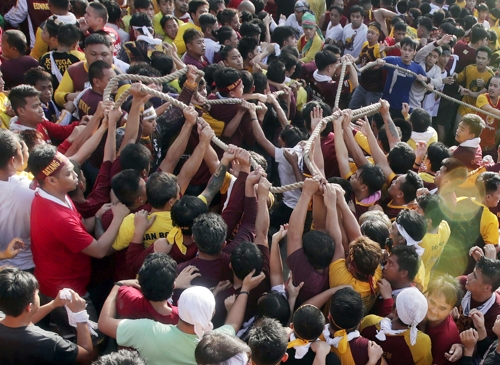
<point>41,6</point>
<point>349,42</point>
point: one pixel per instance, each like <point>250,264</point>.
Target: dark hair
<point>420,120</point>
<point>448,28</point>
<point>407,41</point>
<point>259,82</point>
<point>17,290</point>
<point>376,230</point>
<point>401,158</point>
<point>413,223</point>
<point>245,258</point>
<point>248,29</point>
<point>324,59</point>
<point>276,71</point>
<point>209,233</point>
<point>431,206</point>
<point>478,33</point>
<point>68,35</point>
<point>407,259</point>
<point>194,5</point>
<point>306,115</point>
<point>191,34</point>
<point>96,38</point>
<point>114,11</point>
<point>100,10</point>
<point>409,187</point>
<point>163,63</point>
<point>366,255</point>
<point>52,24</point>
<point>40,157</point>
<point>490,271</point>
<point>291,135</point>
<point>402,6</point>
<point>247,79</point>
<point>125,185</point>
<point>156,276</point>
<point>121,357</point>
<point>186,210</point>
<point>485,49</point>
<point>449,287</point>
<point>8,147</point>
<point>288,60</point>
<point>259,5</point>
<point>274,305</point>
<point>425,22</point>
<point>35,74</point>
<point>225,16</point>
<point>346,309</point>
<point>160,188</point>
<point>143,4</point>
<point>210,71</point>
<point>17,39</point>
<point>224,33</point>
<point>96,70</point>
<point>405,128</point>
<point>216,348</point>
<point>487,183</point>
<point>469,21</point>
<point>436,153</point>
<point>60,4</point>
<point>318,248</point>
<point>425,8</point>
<point>206,20</point>
<point>473,121</point>
<point>18,95</point>
<point>357,9</point>
<point>372,176</point>
<point>268,342</point>
<point>400,27</point>
<point>135,156</point>
<point>291,50</point>
<point>308,322</point>
<point>455,11</point>
<point>225,77</point>
<point>140,20</point>
<point>213,5</point>
<point>282,33</point>
<point>247,45</point>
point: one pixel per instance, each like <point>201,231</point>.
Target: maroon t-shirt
<point>13,70</point>
<point>443,337</point>
<point>314,282</point>
<point>88,103</point>
<point>466,56</point>
<point>131,304</point>
<point>99,194</point>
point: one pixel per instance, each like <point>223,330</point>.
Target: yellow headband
<point>374,28</point>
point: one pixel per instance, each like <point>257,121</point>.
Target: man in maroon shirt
<point>195,49</point>
<point>15,62</point>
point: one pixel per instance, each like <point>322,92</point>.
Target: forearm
<point>262,220</point>
<point>296,171</point>
<point>176,150</point>
<point>89,146</point>
<point>42,312</point>
<point>319,300</point>
<point>392,131</point>
<point>282,117</point>
<point>110,146</point>
<point>349,220</point>
<point>355,150</point>
<point>319,213</point>
<point>192,165</point>
<point>215,183</point>
<point>341,152</point>
<point>261,139</point>
<point>275,264</point>
<point>333,228</point>
<point>318,159</point>
<point>83,338</point>
<point>98,228</point>
<point>108,323</point>
<point>237,313</point>
<point>108,237</point>
<point>233,125</point>
<point>296,223</point>
<point>132,127</point>
<point>476,94</point>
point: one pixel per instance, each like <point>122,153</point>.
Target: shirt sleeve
<point>489,227</point>
<point>17,13</point>
<point>40,47</point>
<point>481,101</point>
<point>65,87</point>
<point>72,234</point>
<point>125,233</point>
<point>133,333</point>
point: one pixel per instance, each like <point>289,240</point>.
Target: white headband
<point>147,36</point>
<point>149,114</point>
<point>410,241</point>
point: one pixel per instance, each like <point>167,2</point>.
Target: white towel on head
<point>412,309</point>
<point>196,306</point>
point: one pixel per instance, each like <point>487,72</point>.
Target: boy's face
<point>32,113</point>
<point>334,17</point>
<point>234,60</point>
<point>238,92</point>
<point>482,59</point>
<point>45,88</point>
<point>149,11</point>
<point>482,15</point>
<point>171,28</point>
<point>148,126</point>
<point>399,35</point>
<point>233,41</point>
<point>181,6</point>
<point>407,53</point>
<point>309,32</point>
<point>470,4</point>
<point>290,41</point>
<point>45,35</point>
<point>391,271</point>
<point>196,46</point>
<point>372,36</point>
<point>66,179</point>
<point>443,59</point>
<point>166,6</point>
<point>463,133</point>
<point>431,59</point>
<point>298,15</point>
<point>107,74</point>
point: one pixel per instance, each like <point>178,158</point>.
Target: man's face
<point>482,15</point>
<point>197,46</point>
<point>45,88</point>
<point>107,74</point>
<point>356,20</point>
<point>233,41</point>
<point>407,53</point>
<point>309,32</point>
<point>66,178</point>
<point>356,181</point>
<point>492,198</point>
<point>91,18</point>
<point>470,4</point>
<point>474,282</point>
<point>45,35</point>
<point>148,127</point>
<point>438,309</point>
<point>438,178</point>
<point>234,60</point>
<point>235,23</point>
<point>298,15</point>
<point>238,92</point>
<point>399,35</point>
<point>7,51</point>
<point>166,6</point>
<point>463,133</point>
<point>98,52</point>
<point>171,28</point>
<point>290,41</point>
<point>339,3</point>
<point>394,189</point>
<point>334,17</point>
<point>431,59</point>
<point>494,88</point>
<point>200,11</point>
<point>391,271</point>
<point>211,29</point>
<point>32,113</point>
<point>181,6</point>
<point>482,59</point>
<point>421,31</point>
<point>149,11</point>
<point>443,59</point>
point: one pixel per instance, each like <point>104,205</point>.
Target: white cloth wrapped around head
<point>196,307</point>
<point>412,309</point>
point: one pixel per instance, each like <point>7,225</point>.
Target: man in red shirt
<point>61,244</point>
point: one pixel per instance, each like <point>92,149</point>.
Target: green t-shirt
<point>161,343</point>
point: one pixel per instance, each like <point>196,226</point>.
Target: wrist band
<point>118,283</point>
<point>244,292</point>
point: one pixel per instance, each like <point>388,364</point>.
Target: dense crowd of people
<point>128,237</point>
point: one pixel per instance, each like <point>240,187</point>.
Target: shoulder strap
<point>53,67</point>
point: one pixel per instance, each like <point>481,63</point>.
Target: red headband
<point>229,88</point>
<point>53,167</point>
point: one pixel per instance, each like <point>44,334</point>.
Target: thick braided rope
<point>341,82</point>
<point>475,108</point>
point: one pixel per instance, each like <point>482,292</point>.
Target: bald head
<point>246,5</point>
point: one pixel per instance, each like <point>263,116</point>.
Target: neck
<point>406,63</point>
<point>98,90</point>
<point>360,195</point>
<point>401,285</point>
<point>57,194</point>
<point>238,283</point>
<point>161,307</point>
<point>204,256</point>
<point>178,14</point>
<point>246,63</point>
<point>196,56</point>
<point>97,28</point>
<point>156,210</point>
<point>185,327</point>
<point>481,297</point>
<point>398,201</point>
<point>23,320</point>
<point>433,324</point>
<point>481,69</point>
<point>26,123</point>
<point>61,48</point>
<point>62,12</point>
<point>5,175</point>
<point>473,45</point>
<point>398,325</point>
<point>371,44</point>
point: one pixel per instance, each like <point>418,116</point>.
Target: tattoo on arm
<point>215,182</point>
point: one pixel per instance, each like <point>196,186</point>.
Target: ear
<point>225,62</point>
<point>231,94</point>
<point>403,273</point>
<point>285,357</point>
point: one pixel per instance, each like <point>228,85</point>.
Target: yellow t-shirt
<point>433,245</point>
<point>433,139</point>
<point>488,226</point>
<point>340,275</point>
<point>419,280</point>
<point>468,78</point>
<point>40,47</point>
<point>179,40</point>
<point>4,118</point>
<point>426,177</point>
<point>421,351</point>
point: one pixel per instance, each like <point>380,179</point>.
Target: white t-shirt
<point>211,48</point>
<point>15,200</point>
<point>285,170</point>
<point>335,32</point>
<point>354,39</point>
<point>292,22</point>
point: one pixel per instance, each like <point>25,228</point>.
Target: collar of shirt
<point>45,195</point>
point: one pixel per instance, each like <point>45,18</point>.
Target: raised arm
<point>233,125</point>
<point>282,117</point>
<point>392,130</point>
<point>260,136</point>
<point>275,262</point>
<point>296,224</point>
<point>340,146</point>
<point>332,222</point>
<point>262,221</point>
<point>215,182</point>
<point>91,144</point>
<point>353,147</point>
<point>349,221</point>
